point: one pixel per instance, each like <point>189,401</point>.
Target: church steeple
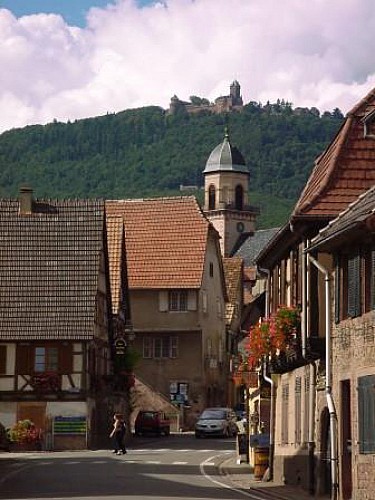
<point>226,183</point>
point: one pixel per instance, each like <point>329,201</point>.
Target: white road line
<point>179,463</point>
<point>219,483</point>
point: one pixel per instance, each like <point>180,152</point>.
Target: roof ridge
<point>155,198</point>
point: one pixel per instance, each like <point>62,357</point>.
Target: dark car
<point>4,440</point>
<point>216,421</point>
<point>152,422</point>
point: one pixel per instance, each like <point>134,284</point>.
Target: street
<point>175,467</point>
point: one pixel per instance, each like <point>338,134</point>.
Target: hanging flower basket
<point>273,336</point>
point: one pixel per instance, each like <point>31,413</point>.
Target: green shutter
<point>366,414</point>
<point>337,290</point>
<point>354,286</point>
<point>372,280</point>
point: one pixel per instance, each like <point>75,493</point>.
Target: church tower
<point>226,191</point>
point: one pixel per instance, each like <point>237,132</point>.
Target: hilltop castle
<point>222,104</point>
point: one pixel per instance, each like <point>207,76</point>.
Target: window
<point>160,347</point>
<point>298,409</point>
<point>178,300</point>
<point>3,359</point>
<point>284,413</point>
<point>366,413</point>
<point>46,359</point>
<point>239,197</point>
<point>354,283</point>
<point>307,409</point>
<point>211,197</point>
<point>211,270</point>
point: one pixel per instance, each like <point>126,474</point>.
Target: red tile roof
<point>115,234</point>
<point>344,171</point>
<point>166,241</point>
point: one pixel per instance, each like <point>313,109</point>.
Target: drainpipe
<point>328,384</point>
<point>312,377</point>
<point>272,422</point>
<point>272,383</point>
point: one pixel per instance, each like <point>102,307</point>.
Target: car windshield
<point>214,414</point>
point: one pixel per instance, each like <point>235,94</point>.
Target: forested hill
<point>146,152</point>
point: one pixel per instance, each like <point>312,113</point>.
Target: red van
<point>152,422</point>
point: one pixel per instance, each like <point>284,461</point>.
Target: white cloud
<point>314,53</point>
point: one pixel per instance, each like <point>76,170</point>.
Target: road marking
<point>152,462</point>
<point>209,461</point>
<point>179,463</point>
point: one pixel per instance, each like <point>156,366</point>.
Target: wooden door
<point>36,412</point>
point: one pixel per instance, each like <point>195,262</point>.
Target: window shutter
<point>366,414</point>
<point>354,286</point>
<point>337,290</point>
<point>192,300</point>
<point>25,359</point>
<point>3,359</point>
<point>372,280</point>
<point>163,300</point>
<point>204,301</point>
<point>65,358</point>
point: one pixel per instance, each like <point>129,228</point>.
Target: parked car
<point>216,421</point>
<point>152,422</point>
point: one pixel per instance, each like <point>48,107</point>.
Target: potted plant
<point>25,436</point>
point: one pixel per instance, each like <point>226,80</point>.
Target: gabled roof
<point>233,267</point>
<point>351,221</point>
<point>254,244</point>
<point>49,267</point>
<point>166,240</point>
<point>344,171</point>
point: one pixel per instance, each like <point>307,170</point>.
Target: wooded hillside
<point>146,152</point>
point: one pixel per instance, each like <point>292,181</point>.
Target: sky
<point>70,59</point>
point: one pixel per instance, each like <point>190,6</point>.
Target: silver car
<point>216,421</point>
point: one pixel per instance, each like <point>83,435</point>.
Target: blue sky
<point>133,53</point>
<point>73,11</point>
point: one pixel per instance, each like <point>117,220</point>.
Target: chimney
<point>26,200</point>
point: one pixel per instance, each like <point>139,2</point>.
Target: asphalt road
<point>172,468</point>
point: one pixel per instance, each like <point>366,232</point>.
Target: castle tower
<point>235,93</point>
<point>226,188</point>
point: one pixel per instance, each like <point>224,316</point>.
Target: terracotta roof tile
<point>166,241</point>
<point>115,234</point>
<point>49,264</point>
<point>344,171</point>
<point>233,267</point>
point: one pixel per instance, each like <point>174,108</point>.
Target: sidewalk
<point>241,476</point>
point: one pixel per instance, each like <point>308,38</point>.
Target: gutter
<point>312,374</point>
<point>273,386</point>
<point>328,381</point>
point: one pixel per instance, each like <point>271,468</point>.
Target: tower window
<point>211,197</point>
<point>239,197</point>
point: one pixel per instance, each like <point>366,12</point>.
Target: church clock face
<point>240,227</point>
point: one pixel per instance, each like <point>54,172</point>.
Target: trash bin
<point>260,462</point>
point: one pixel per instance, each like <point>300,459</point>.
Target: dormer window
<point>369,125</point>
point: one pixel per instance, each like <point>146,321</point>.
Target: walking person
<point>118,433</point>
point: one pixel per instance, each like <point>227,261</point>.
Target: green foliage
<point>146,152</point>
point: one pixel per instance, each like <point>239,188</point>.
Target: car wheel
<point>167,431</point>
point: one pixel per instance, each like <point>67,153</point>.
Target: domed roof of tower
<point>226,158</point>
